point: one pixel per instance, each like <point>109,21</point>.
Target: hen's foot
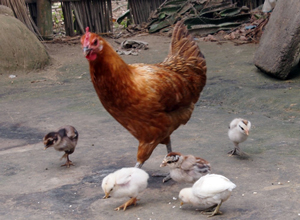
<point>68,164</point>
<point>131,201</point>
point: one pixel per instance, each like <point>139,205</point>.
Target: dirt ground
<point>34,186</point>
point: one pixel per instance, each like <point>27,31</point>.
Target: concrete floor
<point>34,186</point>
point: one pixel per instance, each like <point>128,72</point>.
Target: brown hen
<point>149,100</point>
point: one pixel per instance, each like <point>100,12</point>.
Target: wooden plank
<point>77,17</point>
<point>95,14</point>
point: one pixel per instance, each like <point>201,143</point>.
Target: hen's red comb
<point>87,37</point>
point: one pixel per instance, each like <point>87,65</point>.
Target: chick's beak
<point>106,195</point>
<point>163,164</point>
<point>45,148</point>
<point>86,50</point>
<point>181,203</point>
<point>247,132</point>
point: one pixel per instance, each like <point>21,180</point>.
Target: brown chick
<point>149,100</point>
<point>65,139</point>
<point>185,169</point>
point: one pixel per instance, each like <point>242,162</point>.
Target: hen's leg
<point>131,201</point>
<point>169,150</point>
<point>169,147</point>
<point>138,165</point>
<point>167,142</point>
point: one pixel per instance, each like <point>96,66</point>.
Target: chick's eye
<point>111,190</point>
<point>242,128</point>
<point>169,162</point>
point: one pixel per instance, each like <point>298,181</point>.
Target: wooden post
<point>44,19</point>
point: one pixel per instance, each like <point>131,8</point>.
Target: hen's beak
<point>86,51</point>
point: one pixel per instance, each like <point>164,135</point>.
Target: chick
<point>185,169</point>
<point>238,132</point>
<point>65,139</point>
<point>210,190</point>
<point>125,182</point>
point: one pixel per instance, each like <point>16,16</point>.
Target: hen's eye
<point>95,42</point>
<point>169,162</point>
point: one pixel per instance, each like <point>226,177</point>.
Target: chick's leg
<point>238,151</point>
<point>235,151</point>
<point>69,162</point>
<point>210,209</point>
<point>215,212</point>
<point>131,201</point>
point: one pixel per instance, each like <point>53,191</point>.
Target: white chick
<point>125,182</point>
<point>185,169</point>
<point>210,190</point>
<point>238,132</point>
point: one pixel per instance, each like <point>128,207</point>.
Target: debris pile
<point>249,32</point>
<point>212,20</point>
<point>131,47</point>
<point>201,17</point>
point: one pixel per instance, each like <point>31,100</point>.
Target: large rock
<point>279,48</point>
<point>6,11</point>
<point>20,49</point>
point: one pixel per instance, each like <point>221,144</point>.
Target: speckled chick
<point>64,139</point>
<point>185,169</point>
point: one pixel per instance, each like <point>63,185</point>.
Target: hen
<point>187,169</point>
<point>65,139</point>
<point>238,132</point>
<point>210,190</point>
<point>125,182</point>
<point>149,100</point>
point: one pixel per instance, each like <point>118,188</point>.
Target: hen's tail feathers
<point>182,43</point>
